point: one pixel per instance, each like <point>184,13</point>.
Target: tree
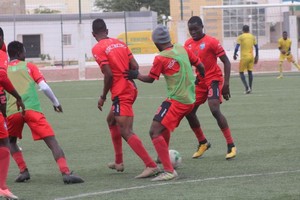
<point>162,7</point>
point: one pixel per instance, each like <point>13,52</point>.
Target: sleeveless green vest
<point>180,86</point>
<point>25,85</point>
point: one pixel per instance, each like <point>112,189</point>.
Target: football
<point>175,158</point>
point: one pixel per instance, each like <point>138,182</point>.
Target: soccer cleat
<point>118,167</point>
<point>231,153</point>
<point>7,194</point>
<point>148,172</point>
<point>72,178</point>
<point>248,91</point>
<point>23,176</point>
<point>280,77</point>
<point>166,176</point>
<point>201,149</point>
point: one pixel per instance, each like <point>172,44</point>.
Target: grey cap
<point>161,35</point>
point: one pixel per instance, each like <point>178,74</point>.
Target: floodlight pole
<point>79,2</point>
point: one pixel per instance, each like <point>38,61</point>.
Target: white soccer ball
<point>175,158</point>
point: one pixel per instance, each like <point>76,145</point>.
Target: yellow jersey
<point>246,41</point>
<point>284,44</point>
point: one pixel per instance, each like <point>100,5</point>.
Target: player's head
<point>16,50</point>
<point>195,26</point>
<point>161,37</point>
<point>284,35</point>
<point>99,29</point>
<point>1,38</point>
<point>246,29</point>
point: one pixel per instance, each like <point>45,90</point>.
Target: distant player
<point>25,76</point>
<point>4,140</point>
<point>114,58</point>
<point>174,62</point>
<point>212,87</point>
<point>246,40</point>
<point>284,46</point>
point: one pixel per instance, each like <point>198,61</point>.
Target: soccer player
<point>246,40</point>
<point>114,58</point>
<point>174,62</point>
<point>24,76</point>
<point>211,87</point>
<point>284,46</point>
<point>4,140</point>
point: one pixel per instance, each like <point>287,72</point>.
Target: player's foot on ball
<point>118,167</point>
<point>23,176</point>
<point>148,172</point>
<point>201,149</point>
<point>231,152</point>
<point>7,194</point>
<point>166,176</point>
<point>72,178</point>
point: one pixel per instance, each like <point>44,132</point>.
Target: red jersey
<point>208,49</point>
<point>169,66</point>
<point>117,55</point>
<point>4,81</point>
<point>33,71</point>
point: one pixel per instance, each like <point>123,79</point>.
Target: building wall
<point>12,7</point>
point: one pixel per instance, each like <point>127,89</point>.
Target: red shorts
<point>122,105</point>
<point>36,121</point>
<point>171,112</point>
<point>212,90</point>
<point>3,127</point>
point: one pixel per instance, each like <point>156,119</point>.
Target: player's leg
<point>203,144</point>
<point>15,124</point>
<point>116,139</point>
<point>4,160</point>
<point>214,101</point>
<point>135,143</point>
<point>281,59</point>
<point>59,156</point>
<point>250,75</point>
<point>291,59</point>
<point>242,75</point>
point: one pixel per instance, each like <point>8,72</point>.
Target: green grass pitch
<point>265,126</point>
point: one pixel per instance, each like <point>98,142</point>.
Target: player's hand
<point>283,52</point>
<point>235,56</point>
<point>255,59</point>
<point>226,92</point>
<point>20,105</point>
<point>197,80</point>
<point>131,74</point>
<point>58,108</point>
<point>101,103</point>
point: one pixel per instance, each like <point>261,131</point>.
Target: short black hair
<point>246,28</point>
<point>284,32</point>
<point>99,26</point>
<point>195,19</point>
<point>14,48</point>
<point>1,32</point>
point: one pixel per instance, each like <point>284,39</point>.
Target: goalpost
<point>266,22</point>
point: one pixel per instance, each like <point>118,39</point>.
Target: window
<point>67,39</point>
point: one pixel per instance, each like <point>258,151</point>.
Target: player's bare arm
<point>201,69</point>
<point>133,65</point>
<point>227,69</point>
<point>108,80</point>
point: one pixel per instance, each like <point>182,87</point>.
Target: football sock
<point>116,139</point>
<point>242,76</point>
<point>4,165</point>
<point>19,159</point>
<point>162,150</point>
<point>199,134</point>
<point>62,165</point>
<point>227,135</point>
<point>137,146</point>
<point>250,78</point>
<point>280,69</point>
<point>166,134</point>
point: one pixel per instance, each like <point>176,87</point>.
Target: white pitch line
<point>174,183</point>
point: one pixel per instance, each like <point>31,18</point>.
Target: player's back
<point>117,55</point>
<point>247,41</point>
